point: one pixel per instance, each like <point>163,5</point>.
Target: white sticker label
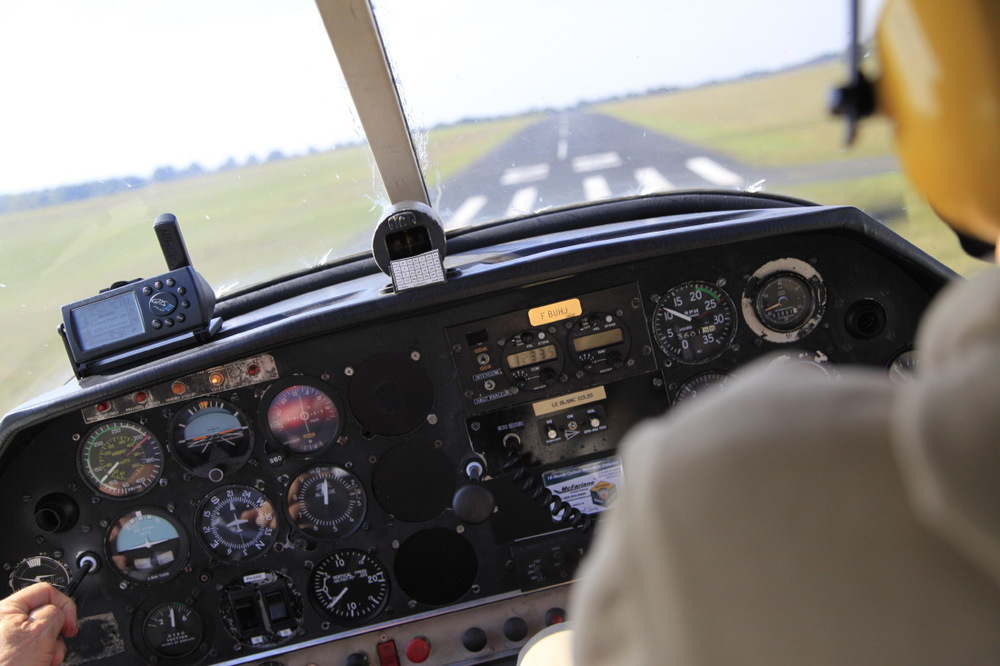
<point>591,487</point>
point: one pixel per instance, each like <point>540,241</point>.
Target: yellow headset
<point>940,85</point>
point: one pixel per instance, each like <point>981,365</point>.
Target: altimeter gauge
<point>237,523</point>
<point>350,586</point>
<point>120,459</point>
<point>326,502</point>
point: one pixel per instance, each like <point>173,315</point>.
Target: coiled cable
<point>518,461</point>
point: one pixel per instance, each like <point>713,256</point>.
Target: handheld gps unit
<point>133,320</point>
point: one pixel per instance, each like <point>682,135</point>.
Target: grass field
<point>294,213</point>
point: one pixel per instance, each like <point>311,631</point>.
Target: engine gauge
<point>237,523</point>
<point>38,569</point>
<point>707,382</point>
<point>301,416</point>
<point>211,437</point>
<point>120,459</point>
<point>694,322</point>
<point>173,630</point>
<point>784,302</point>
<point>147,545</point>
<point>326,502</point>
<point>349,586</point>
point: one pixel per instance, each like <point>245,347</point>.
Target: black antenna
<point>168,232</point>
<point>856,100</point>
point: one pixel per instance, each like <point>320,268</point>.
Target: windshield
<point>233,115</point>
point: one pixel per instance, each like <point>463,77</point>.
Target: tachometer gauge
<point>301,416</point>
<point>694,322</point>
<point>173,630</point>
<point>349,586</point>
<point>211,437</point>
<point>237,523</point>
<point>147,545</point>
<point>121,459</point>
<point>326,502</point>
<point>784,302</point>
<point>38,569</point>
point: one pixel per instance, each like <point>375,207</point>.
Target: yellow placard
<point>569,401</point>
<point>547,314</point>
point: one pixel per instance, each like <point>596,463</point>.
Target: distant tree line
<point>52,196</point>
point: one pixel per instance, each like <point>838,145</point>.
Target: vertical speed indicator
<point>694,322</point>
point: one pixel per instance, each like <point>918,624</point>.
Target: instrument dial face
<point>38,569</point>
<point>350,586</point>
<point>147,545</point>
<point>707,382</point>
<point>694,322</point>
<point>211,437</point>
<point>784,302</point>
<point>237,523</point>
<point>303,418</point>
<point>121,459</point>
<point>326,502</point>
<point>173,630</point>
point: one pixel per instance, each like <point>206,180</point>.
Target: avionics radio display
<point>603,339</point>
<point>107,321</point>
<point>531,356</point>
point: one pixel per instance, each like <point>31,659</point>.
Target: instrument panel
<point>438,466</point>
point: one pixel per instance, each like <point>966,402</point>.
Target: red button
<point>418,650</point>
<point>387,654</point>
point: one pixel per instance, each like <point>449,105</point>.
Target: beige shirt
<point>795,519</point>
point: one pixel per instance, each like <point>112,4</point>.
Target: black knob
<point>473,504</point>
<point>356,659</point>
<point>515,629</point>
<point>474,639</point>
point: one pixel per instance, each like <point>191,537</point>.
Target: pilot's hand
<point>33,622</point>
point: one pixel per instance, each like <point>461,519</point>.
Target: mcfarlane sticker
<point>591,487</point>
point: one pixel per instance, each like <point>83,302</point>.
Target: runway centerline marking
<point>466,212</point>
<point>562,149</point>
<point>651,180</point>
<point>524,174</point>
<point>714,172</point>
<point>596,187</point>
<point>522,202</point>
<point>595,162</point>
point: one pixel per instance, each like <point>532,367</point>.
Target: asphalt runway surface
<point>578,156</point>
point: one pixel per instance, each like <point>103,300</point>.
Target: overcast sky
<point>107,88</point>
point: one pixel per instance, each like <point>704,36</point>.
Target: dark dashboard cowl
<point>557,335</point>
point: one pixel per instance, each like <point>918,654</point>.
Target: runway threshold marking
<point>596,162</point>
<point>714,172</point>
<point>596,187</point>
<point>651,180</point>
<point>522,202</point>
<point>467,211</point>
<point>524,174</point>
